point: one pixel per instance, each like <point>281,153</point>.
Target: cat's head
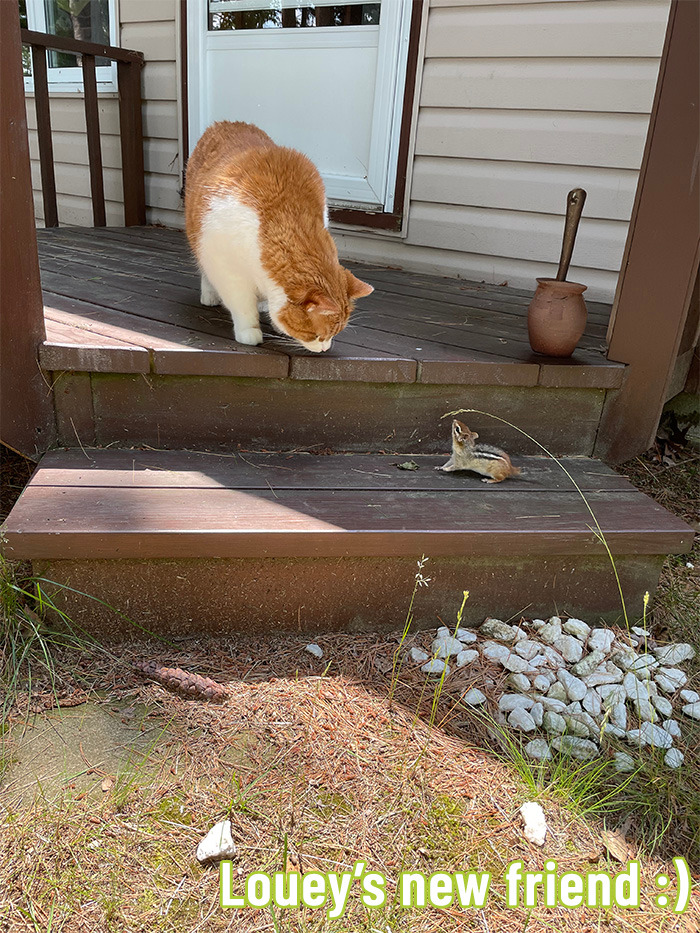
<point>462,435</point>
<point>316,314</point>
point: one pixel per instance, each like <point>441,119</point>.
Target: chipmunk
<point>491,462</point>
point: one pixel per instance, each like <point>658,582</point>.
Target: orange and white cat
<point>256,219</point>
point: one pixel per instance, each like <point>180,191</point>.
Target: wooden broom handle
<point>575,200</point>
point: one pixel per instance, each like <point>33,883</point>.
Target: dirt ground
<point>319,763</point>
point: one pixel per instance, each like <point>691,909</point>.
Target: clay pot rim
<point>571,288</point>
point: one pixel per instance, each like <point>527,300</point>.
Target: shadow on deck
<point>127,301</point>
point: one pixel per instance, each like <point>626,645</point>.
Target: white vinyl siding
<point>520,102</point>
<point>148,26</point>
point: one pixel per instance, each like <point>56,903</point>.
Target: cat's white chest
<point>229,249</point>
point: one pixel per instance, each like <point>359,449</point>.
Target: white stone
<point>519,681</point>
<point>520,635</point>
<point>649,734</point>
<point>466,657</point>
<point>624,656</point>
<point>642,632</point>
<point>582,749</point>
<point>574,726</point>
<point>418,656</point>
<point>578,628</point>
<point>558,692</point>
<point>465,636</point>
<point>541,683</point>
<point>575,688</point>
<point>644,660</point>
<point>690,696</point>
<point>443,632</point>
<point>446,646</point>
<point>535,824</point>
<point>692,710</point>
<point>606,674</point>
<point>518,665</point>
<point>589,664</point>
<point>549,703</point>
<point>217,844</point>
<point>436,666</point>
<point>521,719</point>
<point>602,639</point>
<point>537,624</point>
<point>527,648</point>
<point>623,762</point>
<point>675,654</point>
<point>314,649</point>
<point>672,727</point>
<point>551,631</point>
<point>574,707</point>
<point>593,727</point>
<point>537,713</point>
<point>494,628</point>
<point>633,687</point>
<point>609,728</point>
<point>554,659</point>
<point>492,651</point>
<point>553,722</point>
<point>511,701</point>
<point>612,694</point>
<point>592,703</point>
<point>664,706</point>
<point>618,715</point>
<point>538,749</point>
<point>473,697</point>
<point>670,679</point>
<point>645,710</point>
<point>673,758</point>
<point>569,648</point>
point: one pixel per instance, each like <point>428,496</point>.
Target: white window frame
<point>391,80</point>
<point>70,80</point>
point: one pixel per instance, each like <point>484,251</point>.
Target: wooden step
<point>194,541</point>
<point>134,359</point>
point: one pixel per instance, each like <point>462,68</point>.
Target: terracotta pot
<point>556,318</point>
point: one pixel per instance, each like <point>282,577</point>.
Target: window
<point>89,20</point>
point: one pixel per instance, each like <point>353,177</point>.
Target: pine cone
<point>190,685</point>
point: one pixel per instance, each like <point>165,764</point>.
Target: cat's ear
<point>320,302</point>
<point>356,287</point>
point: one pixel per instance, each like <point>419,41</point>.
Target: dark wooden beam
<point>79,47</point>
<point>131,136</point>
<point>43,132</point>
<point>92,125</point>
<point>26,411</point>
<point>663,248</point>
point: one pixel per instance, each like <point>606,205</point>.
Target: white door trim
<point>376,191</point>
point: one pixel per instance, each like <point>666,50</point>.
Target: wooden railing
<point>129,66</point>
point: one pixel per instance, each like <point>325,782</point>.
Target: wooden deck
<point>127,301</point>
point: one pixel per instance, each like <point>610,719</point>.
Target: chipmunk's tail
<point>515,471</point>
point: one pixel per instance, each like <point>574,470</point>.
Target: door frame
<point>400,146</point>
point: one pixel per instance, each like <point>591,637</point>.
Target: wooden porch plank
<point>147,469</point>
<point>174,350</point>
<point>69,348</point>
<point>88,522</point>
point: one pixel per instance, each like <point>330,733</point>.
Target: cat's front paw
<point>250,336</point>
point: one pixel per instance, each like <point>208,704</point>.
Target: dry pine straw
<point>318,755</point>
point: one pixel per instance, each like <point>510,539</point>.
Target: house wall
<point>148,26</point>
<point>519,101</point>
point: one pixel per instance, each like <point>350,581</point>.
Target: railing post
<point>26,407</point>
<point>43,131</point>
<point>131,129</point>
<point>92,126</point>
